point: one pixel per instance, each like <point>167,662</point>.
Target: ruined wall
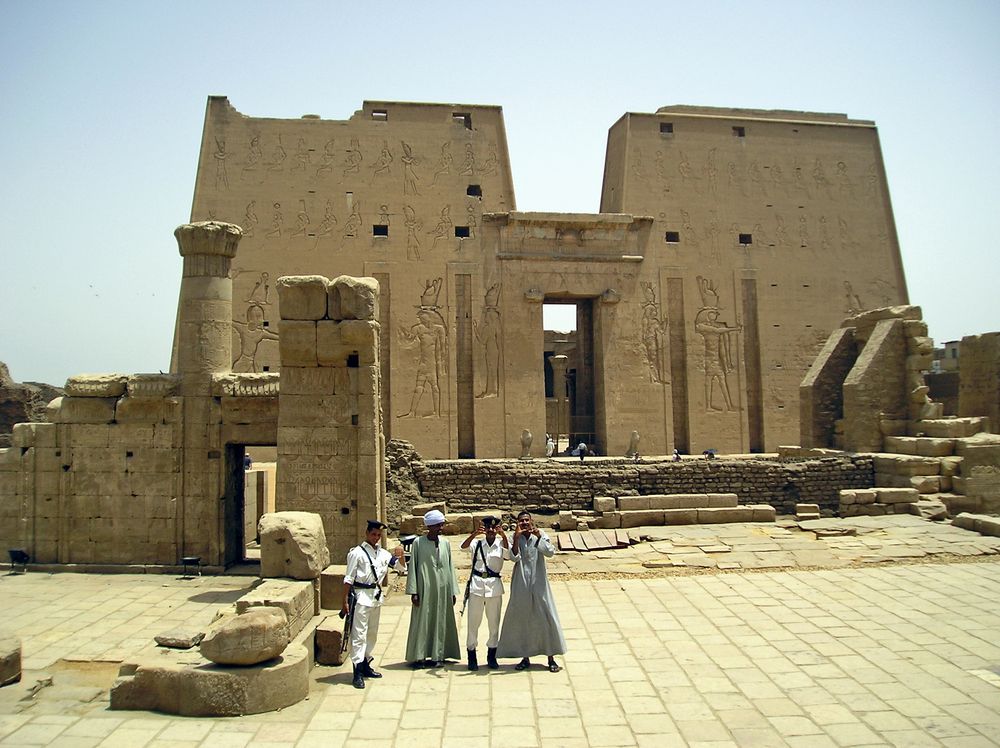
<point>548,485</point>
<point>330,448</point>
<point>979,378</point>
<point>821,398</point>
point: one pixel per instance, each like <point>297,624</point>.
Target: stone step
<point>952,427</point>
<point>925,446</point>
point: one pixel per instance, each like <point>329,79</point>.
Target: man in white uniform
<point>485,588</point>
<point>367,566</point>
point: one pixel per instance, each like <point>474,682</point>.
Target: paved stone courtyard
<point>903,654</point>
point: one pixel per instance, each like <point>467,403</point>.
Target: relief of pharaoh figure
<point>252,333</point>
<point>719,344</point>
<point>488,336</point>
<point>430,336</point>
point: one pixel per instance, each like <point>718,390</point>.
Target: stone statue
<point>526,444</point>
<point>633,446</point>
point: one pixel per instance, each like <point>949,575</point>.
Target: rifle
<point>352,602</point>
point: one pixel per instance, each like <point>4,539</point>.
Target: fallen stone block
<point>295,598</point>
<point>330,641</point>
<point>896,495</point>
<point>891,464</point>
<point>331,587</point>
<point>929,509</point>
<point>411,525</point>
<point>292,544</point>
<point>457,524</point>
<point>180,638</point>
<point>926,483</point>
<point>419,510</point>
<point>807,511</point>
<point>254,636</point>
<point>762,512</point>
<point>722,499</point>
<point>965,520</point>
<point>567,521</point>
<point>10,659</point>
<point>607,521</point>
<point>96,385</point>
<point>951,427</point>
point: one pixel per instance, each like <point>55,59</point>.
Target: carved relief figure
<point>252,333</point>
<point>261,293</point>
<point>302,157</point>
<point>301,220</point>
<point>803,231</point>
<point>756,178</point>
<point>383,214</point>
<point>845,188</point>
<point>250,219</point>
<point>711,172</point>
<point>469,164</point>
<point>847,241</point>
<point>353,159</point>
<point>221,177</point>
<point>687,172</point>
<point>690,235</point>
<point>327,159</point>
<point>430,336</point>
<point>277,221</point>
<point>325,227</point>
<point>719,357</point>
<point>254,156</point>
<point>871,181</point>
<point>736,179</point>
<point>444,163</point>
<point>780,233</point>
<point>820,180</point>
<point>824,234</point>
<point>653,331</point>
<point>854,304</point>
<point>491,163</point>
<point>778,179</point>
<point>444,226</point>
<point>712,234</point>
<point>637,164</point>
<point>799,181</point>
<point>353,221</point>
<point>662,173</point>
<point>410,177</point>
<point>278,156</point>
<point>470,220</point>
<point>413,225</point>
<point>487,332</point>
<point>383,162</point>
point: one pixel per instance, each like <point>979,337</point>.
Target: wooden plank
<point>588,541</point>
<point>621,536</point>
<point>565,542</point>
<point>577,538</point>
<point>605,542</point>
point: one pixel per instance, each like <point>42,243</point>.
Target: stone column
<point>204,348</point>
<point>559,364</point>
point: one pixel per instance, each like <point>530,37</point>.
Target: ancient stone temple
<point>730,243</point>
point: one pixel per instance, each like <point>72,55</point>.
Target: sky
<point>102,106</point>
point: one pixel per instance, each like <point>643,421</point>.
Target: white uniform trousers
<point>364,632</point>
<point>474,610</point>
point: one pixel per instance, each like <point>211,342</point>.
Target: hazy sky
<point>102,106</point>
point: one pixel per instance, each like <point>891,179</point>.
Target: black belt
<point>364,586</point>
<point>489,574</point>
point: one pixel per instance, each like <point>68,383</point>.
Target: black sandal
<point>523,664</point>
<point>554,667</point>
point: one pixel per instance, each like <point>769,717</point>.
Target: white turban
<point>433,517</point>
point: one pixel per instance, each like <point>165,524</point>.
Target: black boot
<point>366,669</point>
<point>473,660</point>
<point>358,681</point>
<point>491,658</point>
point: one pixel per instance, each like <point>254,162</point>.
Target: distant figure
<point>581,450</point>
<point>709,454</point>
<point>550,445</point>
<point>247,462</point>
<point>677,455</point>
<point>526,440</point>
<point>633,446</point>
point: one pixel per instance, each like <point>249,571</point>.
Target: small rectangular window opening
<point>672,237</point>
<point>462,232</point>
<point>267,368</point>
<point>746,239</point>
<point>666,128</point>
<point>380,229</point>
<point>462,118</point>
<point>266,323</point>
<point>350,199</point>
<point>353,361</point>
<point>380,114</point>
<point>739,132</point>
<point>474,190</point>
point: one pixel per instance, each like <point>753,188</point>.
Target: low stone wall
<point>549,485</point>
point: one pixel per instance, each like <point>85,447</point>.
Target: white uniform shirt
<point>495,555</point>
<point>359,569</point>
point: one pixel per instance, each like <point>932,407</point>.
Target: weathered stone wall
<point>979,383</point>
<point>875,386</point>
<point>22,402</point>
<point>821,399</point>
<point>549,485</point>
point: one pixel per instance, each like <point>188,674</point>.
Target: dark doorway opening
<point>248,487</point>
<point>570,404</point>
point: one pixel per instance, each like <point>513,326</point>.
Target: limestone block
<point>151,460</point>
<point>434,506</point>
<point>926,483</point>
<point>10,659</point>
<point>329,641</point>
<point>920,344</point>
<point>81,410</point>
<point>722,499</point>
<point>979,450</point>
<point>931,509</point>
<point>915,328</point>
<point>716,515</point>
<point>255,635</point>
<point>296,380</point>
<point>762,512</point>
<point>153,386</point>
<point>680,516</point>
<point>806,509</point>
<point>896,495</point>
<point>983,484</point>
<point>604,504</point>
<point>987,525</point>
<point>919,361</point>
<point>301,297</point>
<point>965,520</point>
<point>353,298</point>
<point>457,524</point>
<point>412,525</point>
<point>934,447</point>
<point>363,337</point>
<point>33,435</point>
<point>679,501</point>
<point>180,638</point>
<point>951,428</point>
<point>891,464</point>
<point>893,426</point>
<point>293,597</point>
<point>331,587</point>
<point>249,410</point>
<point>292,544</point>
<point>297,343</point>
<point>639,517</point>
<point>567,521</point>
<point>607,521</point>
<point>331,347</point>
<point>631,503</point>
<point>904,445</point>
<point>96,385</point>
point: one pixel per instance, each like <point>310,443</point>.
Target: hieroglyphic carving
<point>252,333</point>
<point>720,346</point>
<point>637,164</point>
<point>799,182</point>
<point>430,336</point>
<point>383,163</point>
<point>255,155</point>
<point>847,240</point>
<point>470,220</point>
<point>712,234</point>
<point>250,220</point>
<point>302,157</point>
<point>221,177</point>
<point>820,180</point>
<point>261,293</point>
<point>353,223</point>
<point>277,221</point>
<point>845,187</point>
<point>302,220</point>
<point>654,333</point>
<point>444,227</point>
<point>780,232</point>
<point>488,335</point>
<point>327,159</point>
<point>410,177</point>
<point>413,225</point>
<point>824,234</point>
<point>276,164</point>
<point>444,164</point>
<point>326,226</point>
<point>353,158</point>
<point>736,183</point>
<point>383,214</point>
<point>803,231</point>
<point>756,178</point>
<point>489,166</point>
<point>854,304</point>
<point>711,172</point>
<point>688,177</point>
<point>690,233</point>
<point>778,179</point>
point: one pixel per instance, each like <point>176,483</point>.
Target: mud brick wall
<point>552,486</point>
